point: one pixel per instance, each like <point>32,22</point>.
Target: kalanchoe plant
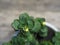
<point>30,31</point>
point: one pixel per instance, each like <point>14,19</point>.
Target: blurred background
<point>10,10</point>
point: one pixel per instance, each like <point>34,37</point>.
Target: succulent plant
<point>30,28</point>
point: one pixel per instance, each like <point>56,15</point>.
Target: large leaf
<point>30,24</point>
<point>56,38</point>
<point>40,20</point>
<point>37,27</point>
<point>43,32</point>
<point>23,18</point>
<point>15,24</point>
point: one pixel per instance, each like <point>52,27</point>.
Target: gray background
<point>10,10</point>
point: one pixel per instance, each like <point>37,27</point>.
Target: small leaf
<point>46,43</point>
<point>57,35</point>
<point>7,43</point>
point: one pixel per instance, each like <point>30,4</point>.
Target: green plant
<point>30,28</point>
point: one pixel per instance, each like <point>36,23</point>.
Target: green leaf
<point>37,27</point>
<point>57,43</point>
<point>27,42</point>
<point>57,35</point>
<point>23,18</point>
<point>56,38</point>
<point>7,43</point>
<point>15,24</point>
<point>30,24</point>
<point>14,41</point>
<point>21,40</point>
<point>35,43</point>
<point>46,43</point>
<point>40,20</point>
<point>43,32</point>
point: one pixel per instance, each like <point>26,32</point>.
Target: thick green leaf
<point>43,32</point>
<point>57,35</point>
<point>56,38</point>
<point>23,18</point>
<point>15,24</point>
<point>40,20</point>
<point>57,43</point>
<point>46,43</point>
<point>37,27</point>
<point>30,24</point>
